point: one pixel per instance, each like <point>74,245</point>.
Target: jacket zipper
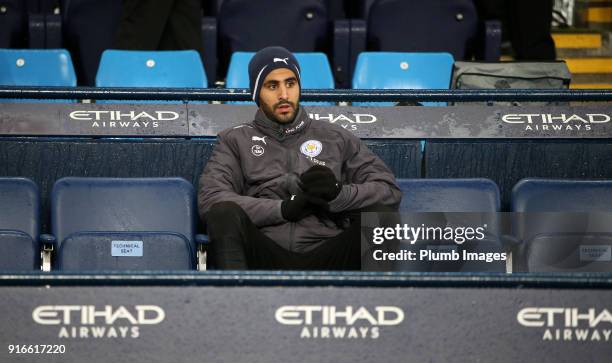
<point>292,225</point>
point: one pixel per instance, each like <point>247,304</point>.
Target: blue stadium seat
<point>386,70</point>
<point>124,224</point>
<point>134,68</point>
<point>564,225</point>
<point>315,72</point>
<point>36,67</point>
<point>19,224</point>
<point>423,26</point>
<point>334,7</point>
<point>452,203</point>
<point>247,26</point>
<point>449,195</point>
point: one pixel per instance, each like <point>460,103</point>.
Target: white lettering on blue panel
<point>599,253</point>
<point>126,248</point>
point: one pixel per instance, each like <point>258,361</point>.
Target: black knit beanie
<point>267,60</point>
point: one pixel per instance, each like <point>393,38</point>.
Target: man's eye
<point>271,86</point>
<point>290,83</point>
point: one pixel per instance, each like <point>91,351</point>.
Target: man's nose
<point>282,94</point>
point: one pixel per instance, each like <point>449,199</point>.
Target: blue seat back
<point>423,26</point>
<point>449,195</point>
<point>315,71</point>
<point>36,67</point>
<point>133,68</point>
<point>19,224</point>
<point>87,214</point>
<point>389,70</point>
<point>562,195</point>
<point>469,203</point>
<point>564,224</point>
<point>246,25</point>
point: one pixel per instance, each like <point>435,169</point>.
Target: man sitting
<point>284,191</point>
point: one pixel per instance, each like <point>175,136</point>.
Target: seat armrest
<point>202,239</point>
<point>358,45</point>
<point>49,245</point>
<point>491,41</point>
<point>53,31</point>
<point>340,53</point>
<point>510,242</point>
<point>48,240</point>
<point>36,31</point>
<point>202,243</point>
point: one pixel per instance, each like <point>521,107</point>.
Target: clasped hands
<point>319,186</point>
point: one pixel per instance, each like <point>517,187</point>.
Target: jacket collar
<point>282,131</point>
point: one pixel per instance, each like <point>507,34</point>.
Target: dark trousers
<point>526,24</point>
<point>160,25</point>
<point>237,244</point>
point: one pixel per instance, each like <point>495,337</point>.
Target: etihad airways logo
<point>568,324</point>
<point>556,122</point>
<point>333,322</point>
<point>349,122</point>
<point>122,119</point>
<point>90,321</point>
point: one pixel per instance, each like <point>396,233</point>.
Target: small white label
<point>126,248</point>
<point>599,253</point>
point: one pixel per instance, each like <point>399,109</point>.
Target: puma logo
<point>284,60</point>
<point>257,138</point>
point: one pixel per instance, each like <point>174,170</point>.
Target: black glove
<point>296,207</point>
<point>320,182</point>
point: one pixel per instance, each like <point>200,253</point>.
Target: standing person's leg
<point>142,24</point>
<point>530,23</point>
<point>184,27</point>
<point>237,244</point>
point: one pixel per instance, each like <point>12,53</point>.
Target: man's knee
<point>225,209</point>
<point>224,212</point>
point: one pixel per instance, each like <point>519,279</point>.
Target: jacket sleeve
<point>366,180</point>
<point>222,181</point>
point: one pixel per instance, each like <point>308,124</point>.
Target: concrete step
<point>595,14</point>
<point>595,65</point>
<point>586,80</point>
<point>578,43</point>
<point>599,12</point>
<point>591,85</point>
<point>575,40</point>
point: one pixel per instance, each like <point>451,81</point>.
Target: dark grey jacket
<point>258,164</point>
